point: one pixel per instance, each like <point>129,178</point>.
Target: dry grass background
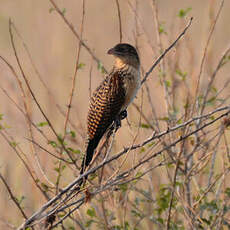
<point>53,49</point>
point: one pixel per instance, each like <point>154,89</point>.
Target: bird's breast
<point>132,83</point>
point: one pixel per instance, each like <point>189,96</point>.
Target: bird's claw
<point>117,123</point>
<point>123,114</point>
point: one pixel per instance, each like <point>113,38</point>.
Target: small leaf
<point>211,101</point>
<point>161,29</point>
<point>45,187</point>
<point>142,149</point>
<point>138,174</point>
<point>227,192</point>
<point>63,11</point>
<point>20,200</point>
<point>91,212</point>
<point>135,213</point>
<point>76,151</point>
<point>53,143</point>
<point>181,74</point>
<point>168,83</point>
<point>183,12</point>
<point>51,10</point>
<point>92,176</point>
<point>164,119</point>
<point>88,223</point>
<point>145,126</point>
<point>41,124</point>
<point>123,187</point>
<point>100,67</point>
<point>13,144</point>
<point>73,134</point>
<point>80,65</point>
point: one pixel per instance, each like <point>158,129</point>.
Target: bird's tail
<point>92,145</point>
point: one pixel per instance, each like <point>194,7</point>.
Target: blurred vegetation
<point>173,157</point>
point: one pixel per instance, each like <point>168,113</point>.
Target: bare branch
<point>166,51</point>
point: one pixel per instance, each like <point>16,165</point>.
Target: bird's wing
<point>105,105</point>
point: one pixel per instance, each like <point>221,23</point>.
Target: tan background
<point>53,49</point>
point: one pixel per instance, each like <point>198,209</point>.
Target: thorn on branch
<point>226,122</point>
<point>88,196</point>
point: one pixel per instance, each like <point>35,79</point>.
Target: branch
<point>166,51</point>
<point>76,34</point>
<point>40,213</point>
<point>12,196</point>
<point>32,93</point>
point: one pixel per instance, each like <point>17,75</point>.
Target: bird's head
<point>125,54</point>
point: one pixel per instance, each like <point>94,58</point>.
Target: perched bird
<point>110,100</point>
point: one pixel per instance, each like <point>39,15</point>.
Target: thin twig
<point>13,197</point>
<point>205,52</point>
<point>90,51</point>
<point>119,19</point>
<point>31,91</point>
<point>39,214</point>
<point>165,52</point>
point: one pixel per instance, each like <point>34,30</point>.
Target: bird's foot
<point>123,114</point>
<point>117,123</point>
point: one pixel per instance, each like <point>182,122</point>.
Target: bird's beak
<point>111,51</point>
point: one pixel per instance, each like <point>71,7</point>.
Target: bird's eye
<point>121,49</point>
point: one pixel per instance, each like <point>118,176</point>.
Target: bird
<point>109,102</point>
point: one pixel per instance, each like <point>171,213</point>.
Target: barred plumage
<point>112,97</point>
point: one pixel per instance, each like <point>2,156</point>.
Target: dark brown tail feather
<point>92,145</point>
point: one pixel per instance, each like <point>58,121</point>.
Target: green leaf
<point>100,67</point>
<point>53,143</point>
<point>63,11</point>
<point>126,227</point>
<point>41,124</point>
<point>76,151</point>
<point>211,101</point>
<point>227,192</point>
<point>135,213</point>
<point>20,200</point>
<point>73,134</point>
<point>145,126</point>
<point>1,116</point>
<point>183,12</point>
<point>181,74</point>
<point>51,10</point>
<point>88,223</point>
<point>225,60</point>
<point>142,149</point>
<point>161,29</point>
<point>164,119</point>
<point>13,144</point>
<point>91,212</point>
<point>60,139</point>
<point>45,187</point>
<point>123,187</point>
<point>138,174</point>
<point>151,144</point>
<point>92,176</point>
<point>80,65</point>
<point>168,83</point>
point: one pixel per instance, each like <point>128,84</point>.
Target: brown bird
<point>110,100</point>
